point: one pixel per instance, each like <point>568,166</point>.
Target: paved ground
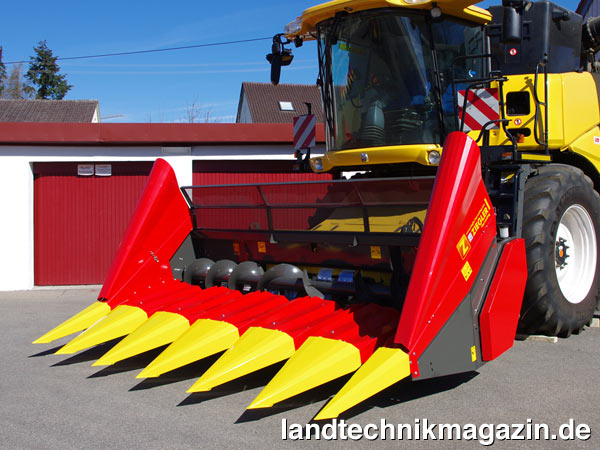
<point>57,402</point>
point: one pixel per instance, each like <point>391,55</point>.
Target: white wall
<point>245,115</point>
<point>16,224</point>
<point>16,188</point>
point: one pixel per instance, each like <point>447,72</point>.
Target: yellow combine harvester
<point>476,136</point>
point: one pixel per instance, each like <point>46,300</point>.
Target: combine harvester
<point>423,265</point>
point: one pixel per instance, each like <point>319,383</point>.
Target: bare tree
<point>155,117</point>
<point>16,86</point>
<point>196,112</point>
<point>2,72</point>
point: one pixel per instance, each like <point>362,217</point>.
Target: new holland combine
<point>474,213</point>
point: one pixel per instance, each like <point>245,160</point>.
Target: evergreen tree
<point>43,74</point>
<point>2,72</point>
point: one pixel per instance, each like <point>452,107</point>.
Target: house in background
<point>71,111</point>
<point>266,103</point>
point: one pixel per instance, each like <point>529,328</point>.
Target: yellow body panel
<point>518,83</point>
<point>317,361</point>
<point>385,367</point>
<point>80,321</point>
<point>256,349</point>
<point>588,146</point>
<point>160,329</point>
<point>573,116</point>
<point>204,338</point>
<point>376,155</point>
<point>120,322</point>
<point>580,109</point>
<point>572,109</point>
<point>463,9</point>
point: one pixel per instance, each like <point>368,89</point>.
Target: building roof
<point>263,100</point>
<point>134,134</point>
<point>75,111</point>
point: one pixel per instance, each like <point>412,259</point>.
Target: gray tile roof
<point>263,100</point>
<point>80,111</point>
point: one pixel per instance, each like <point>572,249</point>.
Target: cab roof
<point>463,9</point>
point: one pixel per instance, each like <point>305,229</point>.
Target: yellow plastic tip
<point>80,321</point>
<point>160,329</point>
<point>121,321</point>
<point>385,367</point>
<point>204,338</point>
<point>317,361</point>
<point>256,349</point>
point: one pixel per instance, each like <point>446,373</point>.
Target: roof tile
<point>74,111</point>
<point>263,100</point>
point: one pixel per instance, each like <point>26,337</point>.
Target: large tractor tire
<point>561,229</point>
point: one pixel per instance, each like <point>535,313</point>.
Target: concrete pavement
<point>57,402</point>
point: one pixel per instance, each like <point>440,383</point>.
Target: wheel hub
<point>561,253</point>
<point>576,276</point>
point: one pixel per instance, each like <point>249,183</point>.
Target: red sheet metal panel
<point>158,227</point>
<point>458,233</point>
<point>500,312</point>
<point>80,220</point>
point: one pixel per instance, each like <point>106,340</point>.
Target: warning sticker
<point>375,252</point>
<point>473,354</point>
<point>262,247</point>
<point>236,248</point>
<point>466,271</point>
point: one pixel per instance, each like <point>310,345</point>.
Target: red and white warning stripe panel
<point>482,107</point>
<point>305,131</point>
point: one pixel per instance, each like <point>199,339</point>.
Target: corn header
<point>474,213</point>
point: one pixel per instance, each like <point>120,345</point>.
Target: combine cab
<point>416,269</point>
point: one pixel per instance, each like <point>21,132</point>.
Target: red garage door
<point>79,220</point>
<point>240,172</point>
<point>232,172</point>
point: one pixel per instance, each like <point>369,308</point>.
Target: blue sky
<point>160,87</point>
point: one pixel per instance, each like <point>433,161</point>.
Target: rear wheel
<point>561,230</point>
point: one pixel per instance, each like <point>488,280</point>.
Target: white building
<point>67,190</point>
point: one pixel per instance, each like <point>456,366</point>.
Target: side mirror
<point>279,56</point>
<point>512,26</point>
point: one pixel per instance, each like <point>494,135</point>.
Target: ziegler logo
<point>464,244</point>
<point>463,247</point>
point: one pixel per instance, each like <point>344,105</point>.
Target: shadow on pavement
<point>137,362</point>
<point>91,354</point>
<point>315,395</point>
<point>50,351</point>
<point>187,372</point>
<point>405,391</point>
<point>248,382</point>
